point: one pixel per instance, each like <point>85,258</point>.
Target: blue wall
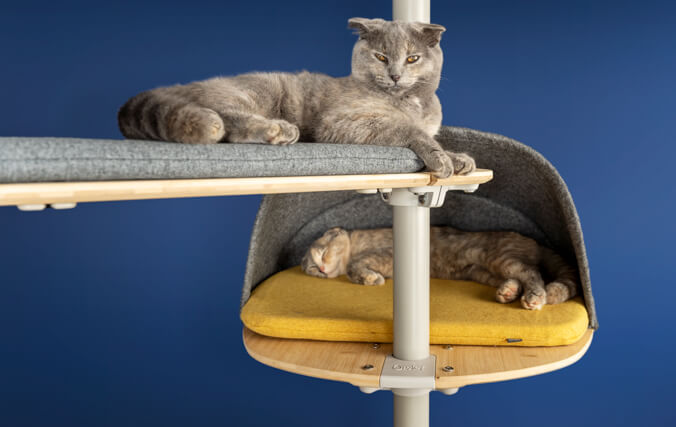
<point>126,313</point>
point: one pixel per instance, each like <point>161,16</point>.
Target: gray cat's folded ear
<point>430,33</point>
<point>365,26</point>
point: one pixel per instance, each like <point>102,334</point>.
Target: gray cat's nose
<point>395,77</point>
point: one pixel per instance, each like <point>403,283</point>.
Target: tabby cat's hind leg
<point>508,291</point>
<point>534,294</point>
<point>558,292</point>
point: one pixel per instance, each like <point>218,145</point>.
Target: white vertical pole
<point>411,224</point>
<point>411,300</point>
<point>411,10</point>
<point>411,310</point>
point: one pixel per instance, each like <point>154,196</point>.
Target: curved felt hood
<point>527,195</point>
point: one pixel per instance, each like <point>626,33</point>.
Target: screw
<point>448,347</point>
<point>375,345</point>
<point>448,369</point>
<point>367,367</point>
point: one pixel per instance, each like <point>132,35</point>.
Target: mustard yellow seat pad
<point>291,304</point>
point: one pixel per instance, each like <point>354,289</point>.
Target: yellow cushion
<point>291,304</point>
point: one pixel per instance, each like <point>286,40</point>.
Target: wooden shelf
<point>343,361</point>
<point>98,191</point>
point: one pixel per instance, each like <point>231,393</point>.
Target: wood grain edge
<point>99,191</point>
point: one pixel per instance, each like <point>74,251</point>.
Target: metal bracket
<point>429,196</point>
<point>434,196</point>
<point>408,377</point>
<point>408,374</point>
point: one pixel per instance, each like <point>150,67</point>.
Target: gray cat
<point>389,99</point>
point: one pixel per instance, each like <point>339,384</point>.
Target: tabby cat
<point>508,261</point>
<point>388,99</point>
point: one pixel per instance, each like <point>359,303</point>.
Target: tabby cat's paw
<point>557,293</point>
<point>533,299</point>
<point>373,278</point>
<point>196,125</point>
<point>462,163</point>
<point>508,291</point>
<point>366,277</point>
<point>439,163</point>
<point>282,132</point>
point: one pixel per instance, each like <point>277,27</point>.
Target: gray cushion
<point>74,159</point>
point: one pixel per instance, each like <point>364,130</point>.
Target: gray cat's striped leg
<point>438,162</point>
<point>249,127</point>
<point>162,115</point>
<point>366,126</point>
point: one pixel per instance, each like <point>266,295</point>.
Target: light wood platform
<point>344,361</point>
<point>98,191</point>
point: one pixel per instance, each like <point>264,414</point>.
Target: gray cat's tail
<point>135,117</point>
<point>564,277</point>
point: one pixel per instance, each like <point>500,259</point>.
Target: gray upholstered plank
<point>73,159</point>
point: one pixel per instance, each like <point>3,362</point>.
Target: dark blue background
<point>126,313</point>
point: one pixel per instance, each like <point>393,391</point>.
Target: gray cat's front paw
<point>282,132</point>
<point>462,163</point>
<point>439,163</point>
<point>534,299</point>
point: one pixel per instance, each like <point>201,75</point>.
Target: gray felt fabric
<point>73,159</point>
<point>526,195</point>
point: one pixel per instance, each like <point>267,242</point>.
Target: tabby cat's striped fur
<point>508,261</point>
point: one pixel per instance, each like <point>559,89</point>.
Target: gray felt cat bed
<point>527,195</point>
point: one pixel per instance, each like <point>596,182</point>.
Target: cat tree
<point>527,195</point>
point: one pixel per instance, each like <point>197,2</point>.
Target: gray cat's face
<point>397,56</point>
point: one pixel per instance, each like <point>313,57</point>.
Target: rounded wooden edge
<point>345,361</point>
<point>570,354</point>
<point>99,191</point>
<point>259,346</point>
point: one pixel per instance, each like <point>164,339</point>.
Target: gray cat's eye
<point>413,58</point>
<point>381,57</point>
